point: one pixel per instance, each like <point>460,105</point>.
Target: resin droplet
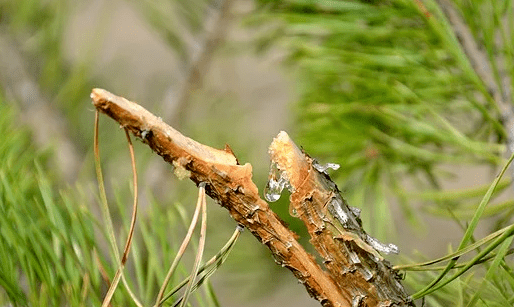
<point>344,214</point>
<point>381,247</point>
<point>272,191</point>
<point>340,214</point>
<point>277,181</point>
<point>357,300</point>
<point>293,212</point>
<point>323,168</point>
<point>354,258</point>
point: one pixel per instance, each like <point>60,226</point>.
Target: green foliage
<point>52,254</point>
<point>63,221</point>
<point>43,23</point>
<point>39,28</point>
<point>505,239</point>
<point>46,240</point>
<point>382,95</point>
<point>384,90</point>
<point>388,92</point>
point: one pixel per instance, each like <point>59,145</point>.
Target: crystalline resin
<point>339,213</point>
<point>356,211</point>
<point>323,168</point>
<point>345,215</point>
<point>354,258</point>
<point>381,247</point>
<point>357,300</point>
<point>277,181</point>
<point>272,190</point>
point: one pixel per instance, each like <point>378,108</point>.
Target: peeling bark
<point>336,231</point>
<point>231,186</point>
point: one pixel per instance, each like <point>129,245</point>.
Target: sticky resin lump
<point>277,181</point>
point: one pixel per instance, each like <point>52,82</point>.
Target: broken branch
<point>231,186</point>
<point>349,254</point>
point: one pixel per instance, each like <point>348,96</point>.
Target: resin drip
<point>277,181</point>
<point>323,168</point>
<point>381,247</point>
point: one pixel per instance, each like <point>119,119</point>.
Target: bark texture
<point>336,230</point>
<point>231,186</point>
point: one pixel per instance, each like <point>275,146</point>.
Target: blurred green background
<point>379,87</point>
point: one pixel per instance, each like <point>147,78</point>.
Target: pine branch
<point>349,254</point>
<point>230,185</point>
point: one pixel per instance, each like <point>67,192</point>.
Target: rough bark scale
<point>231,186</point>
<point>350,260</point>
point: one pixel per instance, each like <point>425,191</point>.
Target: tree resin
<point>277,181</point>
<point>381,247</point>
<point>322,168</point>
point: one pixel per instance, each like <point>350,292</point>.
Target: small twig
<point>85,286</point>
<point>133,219</point>
<point>349,254</point>
<point>477,57</point>
<point>134,206</point>
<point>103,272</point>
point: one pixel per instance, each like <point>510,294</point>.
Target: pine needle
<point>201,247</point>
<point>210,266</point>
<point>107,217</point>
<point>467,236</point>
<point>182,248</point>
